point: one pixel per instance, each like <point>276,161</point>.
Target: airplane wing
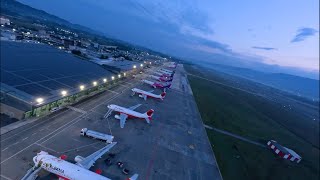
<point>134,107</point>
<point>123,118</point>
<point>91,159</point>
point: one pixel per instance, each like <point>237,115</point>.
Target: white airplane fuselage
<point>128,112</point>
<point>169,71</point>
<point>162,74</point>
<point>64,168</point>
<point>148,94</point>
<point>165,72</point>
<point>160,78</point>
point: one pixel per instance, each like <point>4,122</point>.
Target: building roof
<point>122,65</point>
<point>29,71</point>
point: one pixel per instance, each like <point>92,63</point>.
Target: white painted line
<point>81,147</point>
<point>47,148</point>
<point>113,91</point>
<point>54,132</point>
<point>5,148</point>
<point>33,133</point>
<point>123,85</point>
<point>128,83</point>
<point>5,177</point>
<point>76,140</point>
<point>24,138</point>
<point>33,126</point>
<point>15,143</point>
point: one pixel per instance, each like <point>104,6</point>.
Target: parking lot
<point>173,146</point>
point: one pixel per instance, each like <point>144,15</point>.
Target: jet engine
<point>78,159</point>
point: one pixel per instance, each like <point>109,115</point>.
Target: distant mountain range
<point>296,85</point>
<point>17,9</point>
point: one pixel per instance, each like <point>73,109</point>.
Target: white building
<point>4,21</point>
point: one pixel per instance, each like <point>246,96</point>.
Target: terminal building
<point>37,78</point>
<point>119,66</point>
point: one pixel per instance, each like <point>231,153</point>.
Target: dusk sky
<point>243,33</point>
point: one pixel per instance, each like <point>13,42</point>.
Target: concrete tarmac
<point>173,146</point>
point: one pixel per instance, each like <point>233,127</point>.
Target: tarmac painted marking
<point>80,118</point>
<point>47,148</point>
<point>76,140</point>
<point>123,85</point>
<point>113,91</point>
<point>5,148</point>
<point>33,126</point>
<point>5,177</point>
<point>24,138</point>
<point>33,133</point>
<point>128,83</point>
<point>77,109</point>
<point>75,120</point>
<point>48,135</point>
<point>81,147</point>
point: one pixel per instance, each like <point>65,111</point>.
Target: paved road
<point>235,136</point>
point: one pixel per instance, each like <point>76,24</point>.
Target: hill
<point>296,85</point>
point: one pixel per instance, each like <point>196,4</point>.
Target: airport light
<point>112,77</point>
<point>104,80</point>
<point>119,75</point>
<point>81,87</point>
<point>141,65</point>
<point>39,100</point>
<point>124,74</point>
<point>63,92</point>
<point>94,83</point>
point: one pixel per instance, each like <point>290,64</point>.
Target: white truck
<point>96,135</point>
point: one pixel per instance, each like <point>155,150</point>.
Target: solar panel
<point>35,90</point>
<point>53,69</point>
<point>11,79</point>
<point>54,85</point>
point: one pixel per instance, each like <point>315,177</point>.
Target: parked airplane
<point>66,170</point>
<point>128,113</point>
<point>163,75</point>
<point>157,84</point>
<point>167,70</point>
<point>166,73</point>
<point>161,78</point>
<point>145,94</point>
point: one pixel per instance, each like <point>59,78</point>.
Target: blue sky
<point>279,35</point>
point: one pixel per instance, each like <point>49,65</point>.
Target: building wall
<point>12,112</point>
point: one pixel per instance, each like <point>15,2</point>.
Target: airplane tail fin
<point>149,114</point>
<point>63,157</point>
<point>134,177</point>
<point>163,95</point>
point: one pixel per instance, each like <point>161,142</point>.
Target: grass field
<point>258,119</point>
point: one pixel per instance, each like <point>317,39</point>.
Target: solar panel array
<point>43,71</point>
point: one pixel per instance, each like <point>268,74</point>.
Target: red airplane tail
<point>63,157</point>
<point>163,95</point>
<point>150,113</point>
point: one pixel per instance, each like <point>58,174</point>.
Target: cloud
<point>303,33</point>
<point>264,48</point>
